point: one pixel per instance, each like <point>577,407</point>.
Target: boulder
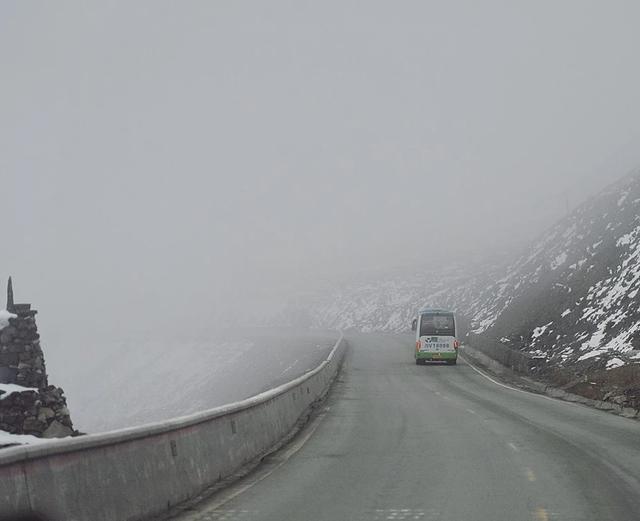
<point>63,411</point>
<point>57,430</point>
<point>33,426</point>
<point>45,413</point>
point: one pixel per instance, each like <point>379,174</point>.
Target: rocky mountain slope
<point>388,300</point>
<point>390,303</point>
<point>571,298</point>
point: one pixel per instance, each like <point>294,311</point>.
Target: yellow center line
<point>530,475</point>
<point>541,514</point>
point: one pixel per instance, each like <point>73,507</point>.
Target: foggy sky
<point>177,162</point>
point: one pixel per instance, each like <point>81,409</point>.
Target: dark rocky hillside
<point>573,298</point>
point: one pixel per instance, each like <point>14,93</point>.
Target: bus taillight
<point>456,344</point>
<point>417,345</point>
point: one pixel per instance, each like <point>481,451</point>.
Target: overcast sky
<point>168,162</point>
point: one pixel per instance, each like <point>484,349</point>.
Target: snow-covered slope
<point>113,385</point>
<point>387,305</point>
<point>388,300</point>
<point>572,296</point>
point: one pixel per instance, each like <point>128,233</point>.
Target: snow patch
<point>23,439</point>
<point>538,331</point>
<point>624,240</point>
<point>7,389</point>
<point>615,362</point>
<point>592,354</point>
<point>559,261</point>
<point>4,318</point>
<point>623,198</point>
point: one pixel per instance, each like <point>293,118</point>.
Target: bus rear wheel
<point>420,361</point>
<point>452,362</point>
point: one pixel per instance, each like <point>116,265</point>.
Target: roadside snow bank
<point>22,439</point>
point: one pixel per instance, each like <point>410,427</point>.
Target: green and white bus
<point>435,336</point>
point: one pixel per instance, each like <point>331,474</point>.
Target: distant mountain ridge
<point>572,297</point>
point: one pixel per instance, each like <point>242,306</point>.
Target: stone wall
<point>21,353</point>
<point>41,409</point>
<point>42,413</point>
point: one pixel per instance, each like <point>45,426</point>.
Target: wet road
<point>398,441</point>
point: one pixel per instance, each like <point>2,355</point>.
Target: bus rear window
<point>437,325</point>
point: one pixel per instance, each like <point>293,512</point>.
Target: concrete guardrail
<point>133,474</point>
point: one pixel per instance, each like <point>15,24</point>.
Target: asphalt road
<point>398,441</point>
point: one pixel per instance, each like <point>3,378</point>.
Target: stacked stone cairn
<point>41,409</point>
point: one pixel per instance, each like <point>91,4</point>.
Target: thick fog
<point>187,164</point>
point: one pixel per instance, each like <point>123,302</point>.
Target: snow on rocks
<point>7,389</point>
<point>623,198</point>
<point>626,239</point>
<point>4,318</point>
<point>559,261</point>
<point>539,331</point>
<point>9,440</point>
<point>602,318</point>
<point>614,362</point>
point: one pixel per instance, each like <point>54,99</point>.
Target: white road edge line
<point>514,388</point>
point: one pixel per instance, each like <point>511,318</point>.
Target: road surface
<point>398,441</point>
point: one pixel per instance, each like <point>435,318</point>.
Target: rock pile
<point>42,413</point>
<point>41,409</point>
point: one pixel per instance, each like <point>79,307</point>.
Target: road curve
<point>399,441</point>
